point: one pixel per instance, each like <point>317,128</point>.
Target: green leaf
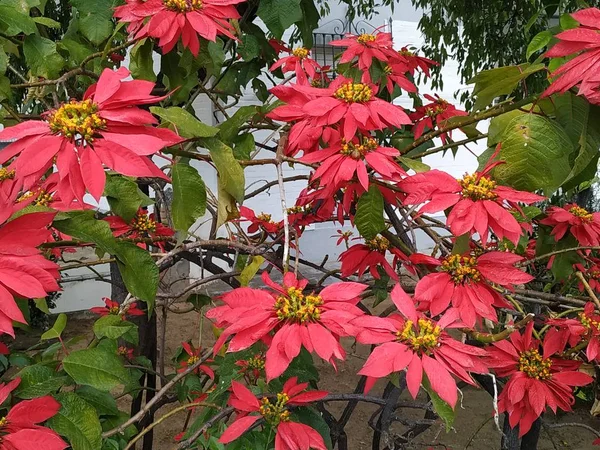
<point>114,421</point>
<point>139,271</point>
<point>279,15</point>
<point>497,126</point>
<point>229,129</point>
<point>47,22</point>
<point>211,57</point>
<point>414,164</point>
<point>249,47</point>
<point>13,22</point>
<point>461,244</point>
<point>226,208</point>
<point>185,123</point>
<point>38,380</point>
<point>3,61</point>
<point>42,57</point>
<point>567,22</point>
<point>369,214</point>
<point>442,409</point>
<point>97,368</point>
<point>113,326</point>
<point>42,305</point>
<point>124,196</point>
<point>250,270</point>
<point>244,145</point>
<point>538,42</point>
<point>309,22</point>
<point>314,419</point>
<point>95,19</point>
<point>231,173</point>
<point>536,151</point>
<point>5,90</point>
<point>142,64</point>
<point>493,83</point>
<point>199,301</point>
<point>103,402</point>
<point>189,196</point>
<point>57,328</point>
<point>78,422</point>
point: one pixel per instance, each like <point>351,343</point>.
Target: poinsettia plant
<point>104,149</point>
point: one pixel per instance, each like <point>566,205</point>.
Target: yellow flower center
<point>114,310</point>
<point>379,243</point>
<point>275,413</point>
<point>257,362</point>
<point>461,268</point>
<point>123,351</point>
<point>183,6</point>
<point>366,38</point>
<point>387,69</point>
<point>6,174</point>
<point>477,188</point>
<point>297,307</point>
<point>300,52</point>
<point>354,93</point>
<point>422,338</point>
<point>43,199</point>
<point>192,360</point>
<point>143,223</point>
<point>358,151</point>
<point>582,213</point>
<point>589,322</point>
<point>534,366</point>
<point>77,120</point>
<point>405,52</point>
<point>264,217</point>
<point>3,422</point>
<point>296,209</point>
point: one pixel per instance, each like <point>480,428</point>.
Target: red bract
<point>298,62</point>
<point>312,321</point>
<point>19,427</point>
<point>365,47</point>
<point>583,70</point>
<point>370,255</point>
<point>414,61</point>
<point>591,273</point>
<point>434,114</point>
<point>477,202</point>
<point>45,193</point>
<point>193,358</point>
<point>413,342</point>
<point>343,159</point>
<point>395,74</point>
<point>172,20</point>
<point>262,221</point>
<point>142,226</point>
<point>535,381</point>
<point>465,282</point>
<point>583,225</point>
<point>81,137</point>
<point>24,272</point>
<point>290,435</point>
<point>113,308</point>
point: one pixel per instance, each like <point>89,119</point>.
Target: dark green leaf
<point>142,64</point>
<point>103,402</point>
<point>78,422</point>
<point>97,368</point>
<point>140,273</point>
<point>309,22</point>
<point>185,123</point>
<point>95,18</point>
<point>230,128</point>
<point>279,15</point>
<point>314,419</point>
<point>369,214</point>
<point>189,196</point>
<point>38,380</point>
<point>42,57</point>
<point>124,196</point>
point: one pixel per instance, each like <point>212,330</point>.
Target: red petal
<point>237,428</point>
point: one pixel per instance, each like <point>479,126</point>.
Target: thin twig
<point>286,223</point>
<point>588,289</point>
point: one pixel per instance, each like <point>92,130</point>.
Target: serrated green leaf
<point>185,123</point>
<point>103,402</point>
<point>113,326</point>
<point>537,152</point>
<point>97,368</point>
<point>369,214</point>
<point>189,196</point>
<point>538,42</point>
<point>124,196</point>
<point>279,15</point>
<point>42,57</point>
<point>57,328</point>
<point>38,380</point>
<point>78,422</point>
<point>13,22</point>
<point>231,173</point>
<point>142,64</point>
<point>250,270</point>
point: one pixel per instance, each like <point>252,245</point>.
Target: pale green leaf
<point>57,328</point>
<point>250,270</point>
<point>112,326</point>
<point>538,42</point>
<point>184,123</point>
<point>231,173</point>
<point>47,21</point>
<point>414,164</point>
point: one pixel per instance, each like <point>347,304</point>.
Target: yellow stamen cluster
<point>265,217</point>
<point>183,6</point>
<point>405,52</point>
<point>582,213</point>
<point>589,322</point>
<point>257,362</point>
<point>354,93</point>
<point>595,274</point>
<point>439,108</point>
<point>358,151</point>
<point>534,366</point>
<point>43,198</point>
<point>297,307</point>
<point>300,52</point>
<point>461,268</point>
<point>25,196</point>
<point>123,351</point>
<point>275,413</point>
<point>424,338</point>
<point>77,120</point>
<point>298,209</point>
<point>6,174</point>
<point>192,360</point>
<point>366,38</point>
<point>477,188</point>
<point>379,243</point>
<point>113,310</point>
<point>143,223</point>
<point>388,69</point>
<point>3,422</point>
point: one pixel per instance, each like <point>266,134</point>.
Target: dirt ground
<point>473,429</point>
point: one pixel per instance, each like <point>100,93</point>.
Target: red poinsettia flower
<point>313,321</point>
<point>370,255</point>
<point>535,382</point>
<point>434,114</point>
<point>261,221</point>
<point>477,202</point>
<point>342,160</point>
<point>592,274</point>
<point>252,368</point>
<point>343,236</point>
<point>465,282</point>
<point>289,435</point>
<point>298,62</point>
<point>418,344</point>
<point>414,61</point>
<point>45,194</point>
<point>172,20</point>
<point>141,226</point>
<point>106,128</point>
<point>125,352</point>
<point>112,308</point>
<point>395,73</point>
<point>583,225</point>
<point>583,70</point>
<point>365,47</point>
<point>20,429</point>
<point>193,358</point>
<point>24,272</point>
